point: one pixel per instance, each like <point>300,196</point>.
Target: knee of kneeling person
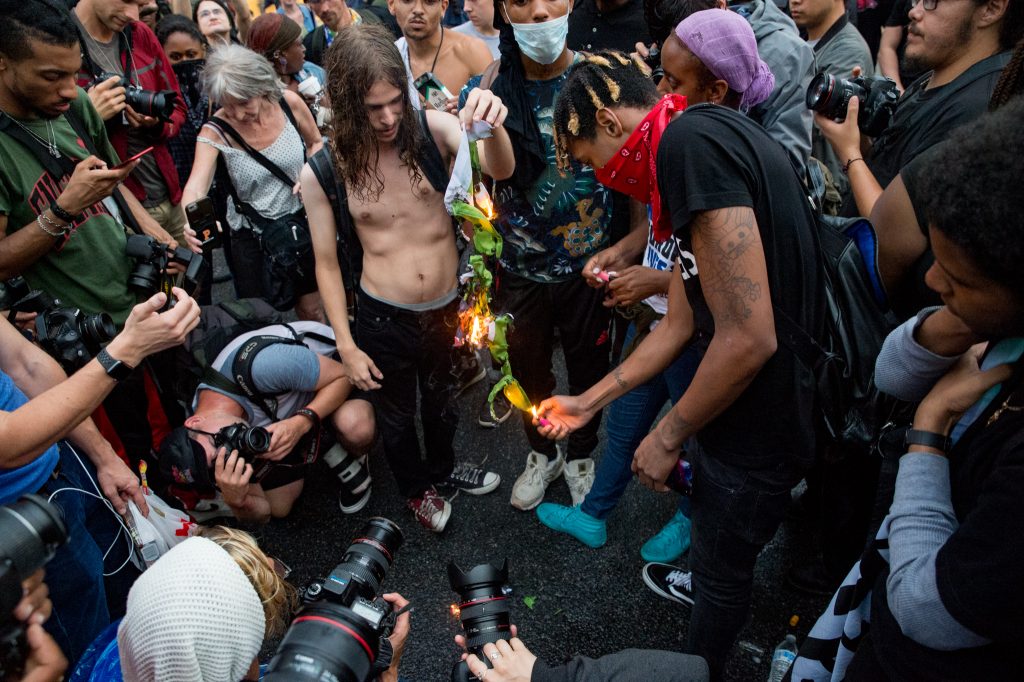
<point>356,425</point>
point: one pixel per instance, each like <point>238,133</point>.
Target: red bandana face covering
<point>631,170</point>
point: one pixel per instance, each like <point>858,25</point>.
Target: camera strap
<point>65,166</point>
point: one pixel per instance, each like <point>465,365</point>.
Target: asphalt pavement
<point>582,601</point>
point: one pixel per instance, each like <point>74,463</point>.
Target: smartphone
<point>433,91</point>
<point>201,218</point>
<point>134,158</point>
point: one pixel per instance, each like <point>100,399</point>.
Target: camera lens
<point>255,440</point>
<point>820,92</point>
<point>31,530</point>
<point>326,641</point>
<point>151,103</point>
<point>484,606</point>
<point>367,560</point>
<point>96,329</point>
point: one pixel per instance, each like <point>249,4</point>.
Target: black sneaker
<point>670,582</point>
<point>502,411</point>
<point>468,371</point>
<point>353,478</point>
<point>472,480</point>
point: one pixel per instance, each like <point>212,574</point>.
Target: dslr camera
<point>483,610</point>
<point>250,441</point>
<point>151,261</point>
<point>31,531</point>
<point>829,96</point>
<point>338,634</point>
<point>146,102</point>
<point>67,334</point>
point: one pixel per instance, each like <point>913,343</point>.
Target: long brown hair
<point>359,57</point>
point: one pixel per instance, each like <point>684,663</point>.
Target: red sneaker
<point>431,510</point>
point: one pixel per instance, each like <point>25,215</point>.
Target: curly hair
<point>600,81</point>
<point>278,597</point>
<point>359,57</point>
<point>43,20</point>
<point>970,192</point>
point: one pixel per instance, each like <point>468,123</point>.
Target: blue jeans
<point>83,600</point>
<point>629,421</point>
<point>735,513</point>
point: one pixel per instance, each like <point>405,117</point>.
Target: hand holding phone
<point>138,156</point>
<point>202,218</point>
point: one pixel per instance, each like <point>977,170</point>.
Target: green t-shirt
<point>91,270</point>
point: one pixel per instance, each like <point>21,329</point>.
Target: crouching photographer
<point>39,406</point>
<point>270,405</point>
<point>494,652</point>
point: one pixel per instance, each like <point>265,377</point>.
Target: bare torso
<point>409,253</point>
<point>461,57</point>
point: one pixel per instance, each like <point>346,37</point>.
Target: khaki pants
<point>171,217</point>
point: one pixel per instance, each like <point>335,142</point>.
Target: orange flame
<point>482,199</point>
<point>455,610</point>
<point>533,411</point>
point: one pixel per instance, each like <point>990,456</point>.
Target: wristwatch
<point>928,439</point>
<point>116,370</point>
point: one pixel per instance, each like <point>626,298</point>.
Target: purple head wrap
<point>724,42</point>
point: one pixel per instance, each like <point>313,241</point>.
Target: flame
<point>482,199</point>
<point>455,610</point>
<point>534,411</point>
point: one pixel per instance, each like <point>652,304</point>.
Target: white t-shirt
<point>470,30</point>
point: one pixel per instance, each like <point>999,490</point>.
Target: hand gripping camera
<point>31,531</point>
<point>338,634</point>
<point>483,609</point>
<point>67,334</point>
<point>151,261</point>
<point>830,96</point>
<point>146,102</point>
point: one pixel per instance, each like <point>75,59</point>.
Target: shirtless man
<point>394,163</point>
<point>453,58</point>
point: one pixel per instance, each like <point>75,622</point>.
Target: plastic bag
<point>154,536</point>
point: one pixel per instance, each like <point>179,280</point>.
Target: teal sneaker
<point>584,527</point>
<point>670,542</point>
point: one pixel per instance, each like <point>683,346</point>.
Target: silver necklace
<point>50,144</point>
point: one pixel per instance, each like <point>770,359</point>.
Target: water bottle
<point>680,478</point>
<point>782,658</point>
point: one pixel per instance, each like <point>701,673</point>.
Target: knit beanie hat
<point>271,33</point>
<point>724,42</point>
<point>192,617</point>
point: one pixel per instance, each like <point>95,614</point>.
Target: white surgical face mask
<point>543,42</point>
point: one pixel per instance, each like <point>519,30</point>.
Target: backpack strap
<point>349,247</point>
<point>432,164</point>
<point>241,380</point>
<point>490,74</point>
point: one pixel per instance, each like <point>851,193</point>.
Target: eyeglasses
<point>929,5</point>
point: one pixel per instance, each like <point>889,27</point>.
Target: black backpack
<point>218,325</point>
<point>850,409</point>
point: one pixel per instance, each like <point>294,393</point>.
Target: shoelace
<point>680,579</point>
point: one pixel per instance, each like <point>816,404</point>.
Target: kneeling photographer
<point>270,405</point>
<point>39,405</point>
<point>964,46</point>
<point>494,652</point>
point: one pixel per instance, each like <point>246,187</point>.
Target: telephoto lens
<point>31,531</point>
<point>483,608</point>
<point>337,635</point>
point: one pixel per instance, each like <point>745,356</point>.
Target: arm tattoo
<point>675,429</point>
<point>618,378</point>
<point>728,234</point>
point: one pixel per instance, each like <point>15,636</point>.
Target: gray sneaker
<point>529,488</point>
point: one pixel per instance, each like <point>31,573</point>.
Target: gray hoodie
<point>784,115</point>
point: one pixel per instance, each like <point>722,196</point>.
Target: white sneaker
<point>579,474</point>
<point>529,488</point>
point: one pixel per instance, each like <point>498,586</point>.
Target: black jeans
<point>735,513</point>
<point>575,310</point>
<point>412,349</point>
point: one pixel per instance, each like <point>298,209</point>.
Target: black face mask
<point>189,73</point>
